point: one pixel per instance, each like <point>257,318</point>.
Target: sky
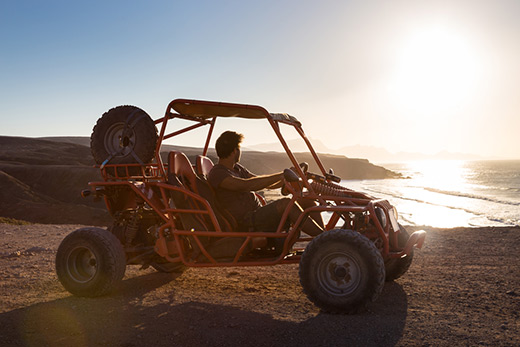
<point>407,76</point>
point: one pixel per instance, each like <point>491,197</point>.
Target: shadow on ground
<point>126,320</point>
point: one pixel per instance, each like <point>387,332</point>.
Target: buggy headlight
<point>393,219</point>
<point>396,215</point>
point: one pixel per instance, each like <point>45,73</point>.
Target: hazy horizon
<point>404,76</point>
<point>376,155</point>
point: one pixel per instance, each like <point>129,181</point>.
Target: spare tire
<point>124,135</point>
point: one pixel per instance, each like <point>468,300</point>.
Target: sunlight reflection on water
<point>445,194</point>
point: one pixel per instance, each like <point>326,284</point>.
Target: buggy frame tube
<point>210,132</point>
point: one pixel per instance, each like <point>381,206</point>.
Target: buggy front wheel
<point>396,267</point>
<point>341,271</point>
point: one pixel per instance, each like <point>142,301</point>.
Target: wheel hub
<point>119,140</point>
<point>81,264</point>
<point>124,141</point>
<point>339,274</point>
<point>341,271</point>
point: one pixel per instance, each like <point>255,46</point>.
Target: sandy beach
<point>462,289</point>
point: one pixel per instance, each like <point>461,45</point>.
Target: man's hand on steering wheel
<point>292,179</point>
<point>303,165</point>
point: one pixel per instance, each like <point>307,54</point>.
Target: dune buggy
<point>166,215</point>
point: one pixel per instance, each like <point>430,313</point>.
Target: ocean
<point>448,194</point>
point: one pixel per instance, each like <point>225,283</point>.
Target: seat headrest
<point>203,165</point>
<point>180,165</point>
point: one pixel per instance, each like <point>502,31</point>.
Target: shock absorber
<point>132,227</point>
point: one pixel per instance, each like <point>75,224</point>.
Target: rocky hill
<point>40,179</point>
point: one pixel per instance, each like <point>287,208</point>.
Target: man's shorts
<point>265,218</point>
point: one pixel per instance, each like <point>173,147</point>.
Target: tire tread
<point>357,240</point>
<point>114,264</point>
<point>147,140</point>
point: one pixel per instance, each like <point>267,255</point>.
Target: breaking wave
<point>473,196</point>
<point>480,194</point>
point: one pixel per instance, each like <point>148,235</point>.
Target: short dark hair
<point>227,142</point>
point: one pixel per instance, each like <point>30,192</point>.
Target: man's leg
<point>306,203</point>
<point>267,218</point>
<point>312,226</point>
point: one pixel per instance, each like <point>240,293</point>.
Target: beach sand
<point>462,289</point>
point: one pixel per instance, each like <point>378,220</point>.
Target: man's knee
<point>305,203</point>
<point>281,205</point>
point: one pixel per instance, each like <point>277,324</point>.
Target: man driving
<point>234,186</point>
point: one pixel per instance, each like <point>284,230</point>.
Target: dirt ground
<point>462,289</point>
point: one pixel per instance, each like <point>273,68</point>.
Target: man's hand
<point>304,166</point>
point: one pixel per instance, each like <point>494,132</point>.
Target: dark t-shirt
<point>238,203</point>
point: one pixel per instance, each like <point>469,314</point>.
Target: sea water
<point>449,194</point>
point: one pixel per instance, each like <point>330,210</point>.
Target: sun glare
<point>436,70</point>
<point>439,183</point>
<point>440,174</point>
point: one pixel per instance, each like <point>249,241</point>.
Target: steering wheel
<point>292,182</point>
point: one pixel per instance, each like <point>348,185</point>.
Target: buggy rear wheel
<point>341,271</point>
<point>90,262</point>
<point>124,135</point>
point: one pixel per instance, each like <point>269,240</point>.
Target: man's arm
<point>251,184</point>
<point>276,185</point>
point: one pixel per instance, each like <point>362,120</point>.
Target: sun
<point>436,70</point>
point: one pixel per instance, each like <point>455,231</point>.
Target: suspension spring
<point>132,227</point>
<point>329,189</point>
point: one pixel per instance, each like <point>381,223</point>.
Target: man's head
<point>229,143</point>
